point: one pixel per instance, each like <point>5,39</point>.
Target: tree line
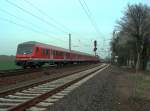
<point>131,37</point>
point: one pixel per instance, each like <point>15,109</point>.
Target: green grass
<point>8,65</point>
<point>142,85</point>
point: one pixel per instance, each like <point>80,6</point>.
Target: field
<point>7,62</point>
<point>138,86</point>
<point>8,65</point>
<point>133,90</point>
<point>142,85</point>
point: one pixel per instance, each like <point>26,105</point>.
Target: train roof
<point>55,47</point>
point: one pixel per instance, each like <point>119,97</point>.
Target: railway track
<point>38,98</point>
<point>53,76</point>
<point>15,72</point>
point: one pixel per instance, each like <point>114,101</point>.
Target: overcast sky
<point>50,21</point>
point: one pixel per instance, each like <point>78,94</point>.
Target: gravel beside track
<point>9,80</point>
<point>97,94</point>
<point>16,72</point>
<point>30,96</point>
<point>24,81</point>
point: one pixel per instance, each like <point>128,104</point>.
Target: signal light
<point>95,43</point>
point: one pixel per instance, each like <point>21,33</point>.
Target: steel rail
<point>15,72</point>
<point>13,90</point>
<point>32,102</point>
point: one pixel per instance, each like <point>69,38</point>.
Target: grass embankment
<point>7,62</point>
<point>141,86</point>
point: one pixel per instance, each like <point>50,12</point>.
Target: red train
<point>33,54</point>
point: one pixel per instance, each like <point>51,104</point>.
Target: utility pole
<point>69,42</point>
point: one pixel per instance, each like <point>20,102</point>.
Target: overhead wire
<point>89,15</point>
<point>42,12</point>
<point>46,15</point>
<point>15,5</point>
<point>96,26</point>
<point>94,22</point>
<point>20,25</point>
<point>35,16</point>
<point>23,20</point>
<point>49,17</point>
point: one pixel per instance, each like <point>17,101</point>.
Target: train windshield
<point>25,49</point>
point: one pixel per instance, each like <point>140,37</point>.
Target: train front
<point>24,55</point>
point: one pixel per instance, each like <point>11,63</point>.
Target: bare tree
<point>135,24</point>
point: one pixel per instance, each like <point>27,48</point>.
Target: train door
<point>37,52</point>
<point>49,54</point>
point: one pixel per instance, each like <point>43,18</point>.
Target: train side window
<point>42,51</point>
<point>37,49</point>
<point>62,54</point>
<point>47,52</point>
<point>57,53</point>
